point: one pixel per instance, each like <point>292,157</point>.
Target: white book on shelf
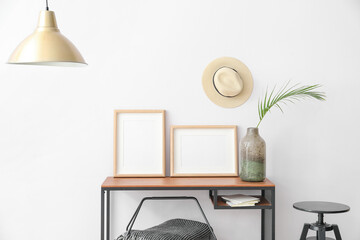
<point>239,198</point>
<point>245,204</point>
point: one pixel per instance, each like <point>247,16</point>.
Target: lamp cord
<point>47,5</point>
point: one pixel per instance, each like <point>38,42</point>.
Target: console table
<point>211,184</point>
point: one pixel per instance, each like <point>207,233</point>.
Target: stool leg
<point>305,231</point>
<point>321,234</point>
<point>337,232</point>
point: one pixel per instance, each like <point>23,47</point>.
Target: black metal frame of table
<point>267,212</point>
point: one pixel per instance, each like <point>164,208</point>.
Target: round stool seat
<point>320,226</point>
<point>321,207</point>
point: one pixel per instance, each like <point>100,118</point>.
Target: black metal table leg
<point>262,218</point>
<point>273,213</point>
<point>262,224</point>
<point>102,214</point>
<point>108,215</point>
<point>268,216</point>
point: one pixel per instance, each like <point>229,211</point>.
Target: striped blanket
<point>175,229</point>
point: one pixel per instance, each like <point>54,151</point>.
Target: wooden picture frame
<point>204,151</point>
<point>139,143</point>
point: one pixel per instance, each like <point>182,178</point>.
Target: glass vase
<point>253,156</point>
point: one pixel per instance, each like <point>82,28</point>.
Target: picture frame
<point>139,143</point>
<point>201,151</point>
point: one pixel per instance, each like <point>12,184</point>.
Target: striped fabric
<point>175,229</point>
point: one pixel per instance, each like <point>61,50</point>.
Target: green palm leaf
<point>285,95</point>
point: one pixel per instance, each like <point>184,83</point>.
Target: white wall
<point>56,124</point>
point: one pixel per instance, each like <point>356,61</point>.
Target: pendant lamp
<point>47,46</point>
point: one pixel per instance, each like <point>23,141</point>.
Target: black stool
<point>320,226</point>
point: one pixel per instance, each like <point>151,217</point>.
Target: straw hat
<point>227,82</point>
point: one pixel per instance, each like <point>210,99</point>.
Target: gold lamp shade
<point>47,46</point>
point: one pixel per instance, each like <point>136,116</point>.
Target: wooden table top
<point>186,182</point>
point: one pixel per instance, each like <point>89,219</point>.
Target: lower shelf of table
<point>263,204</point>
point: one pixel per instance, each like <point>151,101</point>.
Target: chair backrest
<point>132,220</point>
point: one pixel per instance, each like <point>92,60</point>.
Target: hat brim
<point>214,95</point>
